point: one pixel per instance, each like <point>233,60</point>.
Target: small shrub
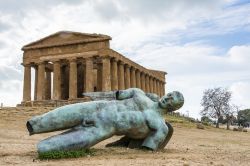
<point>205,123</point>
<point>200,126</point>
<point>65,154</point>
<point>235,129</point>
<point>240,128</point>
<point>244,130</point>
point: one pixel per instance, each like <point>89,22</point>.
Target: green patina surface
<point>132,113</point>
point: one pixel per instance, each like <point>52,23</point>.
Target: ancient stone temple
<point>66,64</point>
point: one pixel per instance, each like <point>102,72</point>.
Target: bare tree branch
<point>216,103</point>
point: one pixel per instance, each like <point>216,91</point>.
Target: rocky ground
<point>188,146</point>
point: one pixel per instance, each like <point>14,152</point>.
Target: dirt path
<point>188,146</point>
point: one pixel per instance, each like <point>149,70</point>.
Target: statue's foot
<point>123,142</point>
<point>146,148</point>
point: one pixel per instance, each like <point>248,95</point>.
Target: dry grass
<point>188,146</point>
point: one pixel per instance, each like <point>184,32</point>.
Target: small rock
<point>244,130</point>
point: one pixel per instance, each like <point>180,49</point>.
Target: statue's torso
<point>127,117</point>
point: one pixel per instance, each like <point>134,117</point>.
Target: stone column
<point>114,77</point>
<point>48,85</point>
<point>106,82</point>
<point>132,78</point>
<point>127,76</point>
<point>121,85</point>
<point>99,77</point>
<point>27,82</point>
<point>35,83</point>
<point>158,87</point>
<point>138,79</point>
<point>147,83</point>
<point>89,75</point>
<point>151,89</point>
<point>72,79</point>
<point>57,80</point>
<point>143,81</point>
<point>41,81</point>
<point>153,81</point>
<point>163,88</point>
<point>155,86</point>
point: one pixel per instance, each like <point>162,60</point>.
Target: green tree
<point>243,116</point>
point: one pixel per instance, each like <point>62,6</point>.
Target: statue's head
<point>172,101</point>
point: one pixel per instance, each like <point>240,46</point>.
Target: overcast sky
<point>201,44</point>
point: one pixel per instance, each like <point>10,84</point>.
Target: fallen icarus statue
<point>132,113</point>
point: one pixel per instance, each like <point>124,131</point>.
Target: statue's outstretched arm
<point>154,97</point>
<point>113,95</point>
<point>101,95</point>
<point>128,93</point>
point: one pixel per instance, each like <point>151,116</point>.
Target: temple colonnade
<point>67,79</point>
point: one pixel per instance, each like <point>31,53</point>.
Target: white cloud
<point>241,95</point>
<point>240,54</point>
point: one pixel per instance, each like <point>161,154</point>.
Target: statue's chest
<point>143,103</point>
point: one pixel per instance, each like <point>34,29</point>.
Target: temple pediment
<point>65,38</point>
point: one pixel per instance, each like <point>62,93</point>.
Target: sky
<point>201,44</point>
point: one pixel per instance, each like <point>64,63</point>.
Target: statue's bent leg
<point>74,139</point>
<point>137,143</point>
<point>60,118</point>
<point>127,142</point>
<point>123,142</point>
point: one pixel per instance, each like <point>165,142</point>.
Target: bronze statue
<point>132,113</point>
